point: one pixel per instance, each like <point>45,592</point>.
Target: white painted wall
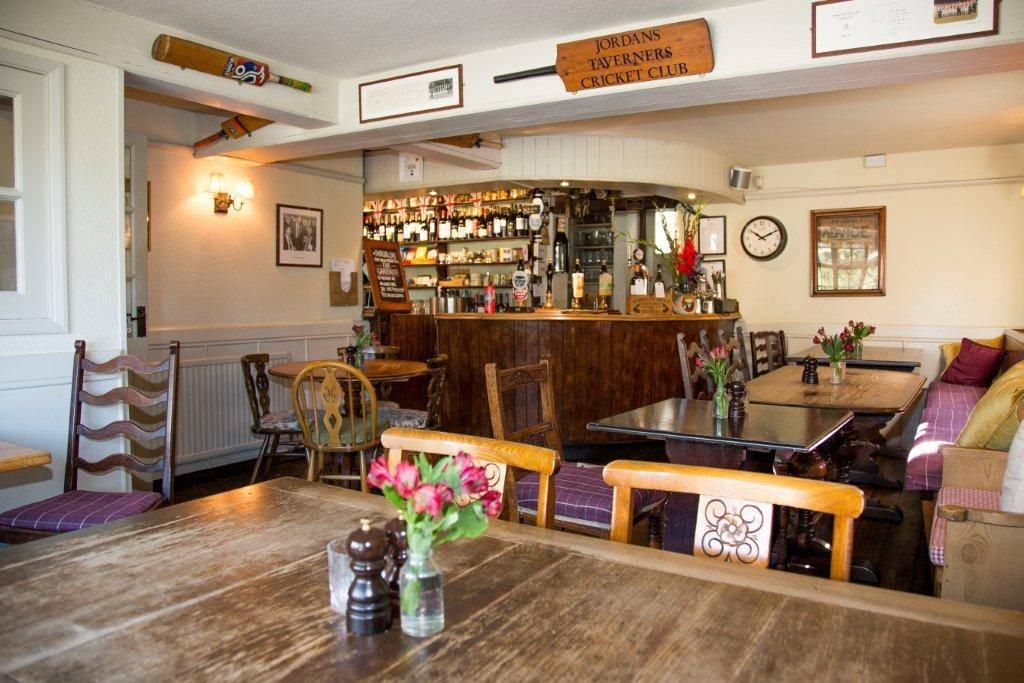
<point>954,247</point>
<point>35,370</point>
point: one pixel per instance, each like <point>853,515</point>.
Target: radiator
<point>213,411</point>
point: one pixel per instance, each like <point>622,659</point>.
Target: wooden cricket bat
<point>235,127</point>
<point>189,55</point>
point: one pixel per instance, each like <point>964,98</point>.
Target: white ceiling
<point>347,38</point>
<point>956,112</point>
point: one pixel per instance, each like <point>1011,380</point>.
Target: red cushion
<point>975,366</point>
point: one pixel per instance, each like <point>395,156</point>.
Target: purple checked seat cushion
<point>945,413</point>
<point>76,510</point>
<point>582,497</point>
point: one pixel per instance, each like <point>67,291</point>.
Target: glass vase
<point>421,595</point>
<point>858,349</point>
<point>721,401</point>
<point>838,368</point>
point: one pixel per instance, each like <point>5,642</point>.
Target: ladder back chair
<point>420,419</point>
<point>696,385</point>
<point>271,425</point>
<point>767,351</point>
<point>737,351</point>
<point>735,509</point>
<point>336,408</point>
<point>78,509</point>
<point>498,458</point>
<point>582,500</point>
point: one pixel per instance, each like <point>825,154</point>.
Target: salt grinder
<point>369,607</point>
<point>398,546</point>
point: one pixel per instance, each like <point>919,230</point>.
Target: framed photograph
<point>712,266</point>
<point>843,26</point>
<point>848,252</point>
<point>415,93</point>
<point>300,236</point>
<point>711,235</point>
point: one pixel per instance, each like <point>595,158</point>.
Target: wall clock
<point>763,238</point>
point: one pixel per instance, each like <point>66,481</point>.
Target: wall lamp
<point>222,200</point>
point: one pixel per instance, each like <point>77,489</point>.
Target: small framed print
<point>415,93</point>
<point>712,266</point>
<point>711,236</point>
<point>848,252</point>
<point>300,236</point>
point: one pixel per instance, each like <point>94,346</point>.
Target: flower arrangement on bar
<point>860,332</point>
<point>442,502</point>
<point>681,258</point>
<point>716,364</point>
<point>838,348</point>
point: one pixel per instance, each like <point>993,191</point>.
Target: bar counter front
<point>602,364</point>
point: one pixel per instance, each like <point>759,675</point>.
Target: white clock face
<point>762,238</point>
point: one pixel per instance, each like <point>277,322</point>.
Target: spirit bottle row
<point>504,223</point>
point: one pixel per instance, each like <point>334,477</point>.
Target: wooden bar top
<point>234,586</point>
<point>15,457</point>
<point>585,316</point>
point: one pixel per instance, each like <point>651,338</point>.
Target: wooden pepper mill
<point>350,355</point>
<point>737,399</point>
<point>810,375</point>
<point>369,606</point>
<point>398,553</point>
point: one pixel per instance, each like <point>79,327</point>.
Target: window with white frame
<point>33,296</point>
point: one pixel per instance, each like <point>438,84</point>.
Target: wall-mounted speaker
<point>739,178</point>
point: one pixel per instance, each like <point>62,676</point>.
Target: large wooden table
<point>234,587</point>
<point>877,357</point>
<point>15,457</point>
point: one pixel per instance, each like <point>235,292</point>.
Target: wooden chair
<point>768,351</point>
<point>582,500</point>
<point>378,352</point>
<point>501,459</point>
<point>271,425</point>
<point>78,509</point>
<point>696,385</point>
<point>735,347</point>
<point>336,408</point>
<point>725,523</point>
<point>420,419</point>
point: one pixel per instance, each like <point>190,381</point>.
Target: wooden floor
<point>898,550</point>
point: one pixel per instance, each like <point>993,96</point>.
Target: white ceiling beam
<point>474,158</point>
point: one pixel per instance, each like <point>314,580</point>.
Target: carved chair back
<point>142,436</point>
<point>696,385</point>
<point>336,407</point>
<point>502,387</point>
<point>768,351</point>
<point>257,386</point>
<point>498,458</point>
<point>734,519</point>
<point>737,351</point>
<point>438,367</point>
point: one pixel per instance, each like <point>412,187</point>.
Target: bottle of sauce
<point>490,305</point>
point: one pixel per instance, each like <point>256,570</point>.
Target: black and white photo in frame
<point>300,234</point>
<point>711,235</point>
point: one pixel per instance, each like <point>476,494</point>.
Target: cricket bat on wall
<point>189,55</point>
<point>235,127</point>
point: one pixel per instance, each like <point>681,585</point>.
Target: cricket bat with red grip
<point>189,55</point>
<point>235,127</point>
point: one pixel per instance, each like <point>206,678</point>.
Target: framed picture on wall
<point>713,266</point>
<point>848,252</point>
<point>300,236</point>
<point>711,235</point>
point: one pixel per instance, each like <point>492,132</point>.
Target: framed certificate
<point>842,26</point>
<point>416,93</point>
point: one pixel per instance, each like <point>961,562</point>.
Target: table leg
<point>851,467</point>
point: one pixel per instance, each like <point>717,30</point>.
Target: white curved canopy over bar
<point>633,165</point>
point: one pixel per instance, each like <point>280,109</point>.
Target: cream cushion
<point>1012,497</point>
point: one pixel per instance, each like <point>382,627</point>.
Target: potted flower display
<point>363,340</point>
<point>441,502</point>
<point>860,331</point>
<point>838,348</point>
<point>716,364</point>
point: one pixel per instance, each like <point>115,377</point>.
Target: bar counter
<point>603,364</point>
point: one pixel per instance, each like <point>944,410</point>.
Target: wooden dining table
<point>234,587</point>
<point>376,370</point>
<point>15,457</point>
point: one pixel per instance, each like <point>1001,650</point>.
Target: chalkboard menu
<point>387,279</point>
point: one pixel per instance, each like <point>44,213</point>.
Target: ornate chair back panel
<point>257,385</point>
<point>767,350</point>
<point>510,395</point>
<point>696,385</point>
<point>336,407</point>
<point>438,367</point>
<point>733,530</point>
<point>145,433</point>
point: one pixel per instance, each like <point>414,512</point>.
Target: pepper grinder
<point>737,399</point>
<point>350,355</point>
<point>810,375</point>
<point>398,546</point>
<point>369,606</point>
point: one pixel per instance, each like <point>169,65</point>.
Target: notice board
<point>387,279</point>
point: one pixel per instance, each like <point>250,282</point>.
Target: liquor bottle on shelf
<point>577,286</point>
<point>561,250</point>
<point>520,287</point>
<point>499,220</point>
<point>444,227</point>
<point>490,305</point>
<point>431,232</point>
<point>659,284</point>
<point>636,282</point>
<point>520,222</point>
<point>605,287</point>
<point>549,297</point>
<point>482,226</point>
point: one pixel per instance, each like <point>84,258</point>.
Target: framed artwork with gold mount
<point>848,252</point>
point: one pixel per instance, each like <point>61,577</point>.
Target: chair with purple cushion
<point>78,509</point>
<point>583,502</point>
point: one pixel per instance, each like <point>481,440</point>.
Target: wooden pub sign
<point>387,279</point>
<point>646,54</point>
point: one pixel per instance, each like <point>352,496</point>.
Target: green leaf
<point>409,597</point>
<point>392,495</point>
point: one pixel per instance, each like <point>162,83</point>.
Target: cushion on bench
<point>950,495</point>
<point>582,497</point>
<point>76,510</point>
<point>945,413</point>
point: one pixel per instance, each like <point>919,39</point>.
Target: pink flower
<point>462,460</point>
<point>718,353</point>
<point>474,479</point>
<point>358,328</point>
<point>406,478</point>
<point>430,498</point>
<point>871,329</point>
<point>848,346</point>
<point>379,473</point>
<point>852,324</point>
<point>492,503</point>
<point>699,363</point>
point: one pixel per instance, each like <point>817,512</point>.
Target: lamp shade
<point>244,190</point>
<point>216,183</point>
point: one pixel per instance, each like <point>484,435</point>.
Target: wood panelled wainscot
<point>602,365</point>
